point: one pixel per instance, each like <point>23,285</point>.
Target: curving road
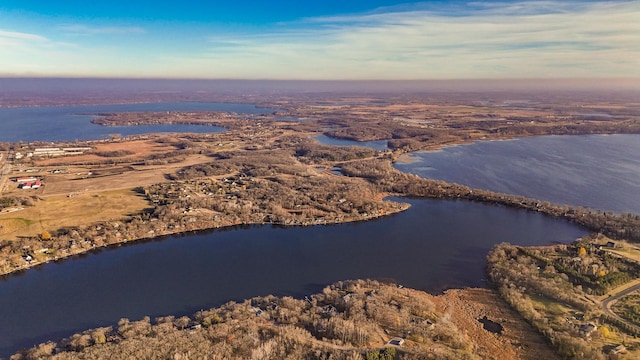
<point>613,298</point>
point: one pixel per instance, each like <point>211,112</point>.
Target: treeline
<point>273,186</point>
<point>153,118</point>
<point>268,187</point>
<point>595,274</point>
<point>320,153</point>
<point>115,153</point>
<point>16,201</point>
<point>389,180</point>
<point>520,278</point>
<point>442,126</point>
<point>228,120</point>
<point>404,138</point>
<point>349,320</point>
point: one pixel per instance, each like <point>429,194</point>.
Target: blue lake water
<point>434,245</point>
<point>375,145</point>
<point>68,123</point>
<point>596,171</point>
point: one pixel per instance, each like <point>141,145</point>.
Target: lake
<point>68,123</point>
<point>434,245</point>
<point>596,171</point>
<point>375,144</point>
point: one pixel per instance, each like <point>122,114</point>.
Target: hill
<point>360,319</point>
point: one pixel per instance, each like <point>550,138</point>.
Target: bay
<point>69,123</point>
<point>595,171</point>
<point>433,246</point>
<point>374,144</point>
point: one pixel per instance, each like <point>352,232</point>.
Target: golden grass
<point>9,225</point>
<point>139,148</point>
<point>551,306</point>
<point>629,251</point>
<point>60,211</point>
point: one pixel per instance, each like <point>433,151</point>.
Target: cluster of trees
<point>263,193</point>
<point>511,266</point>
<point>16,201</point>
<point>585,264</point>
<point>629,308</point>
<point>404,138</point>
<point>115,153</point>
<point>266,187</point>
<point>314,154</point>
<point>348,320</point>
<point>446,122</point>
<point>151,118</point>
<point>526,277</point>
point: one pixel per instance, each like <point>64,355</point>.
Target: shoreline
<point>424,188</point>
<point>449,191</point>
<point>576,215</point>
<point>261,161</point>
<point>70,255</point>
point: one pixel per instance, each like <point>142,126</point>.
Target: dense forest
<point>348,320</point>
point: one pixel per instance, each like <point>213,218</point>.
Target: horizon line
<point>69,77</point>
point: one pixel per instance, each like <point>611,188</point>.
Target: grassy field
<point>87,191</point>
<point>61,211</point>
<point>628,251</point>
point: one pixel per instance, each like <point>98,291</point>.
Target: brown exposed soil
<point>518,339</point>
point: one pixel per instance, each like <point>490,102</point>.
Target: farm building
<point>60,151</point>
<point>21,180</point>
<point>30,185</point>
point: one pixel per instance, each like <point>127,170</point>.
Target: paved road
<point>613,298</point>
<point>6,169</point>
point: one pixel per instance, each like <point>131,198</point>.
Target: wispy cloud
<point>21,36</point>
<point>525,39</point>
<point>84,30</point>
<point>548,38</point>
<point>30,53</point>
<point>17,40</point>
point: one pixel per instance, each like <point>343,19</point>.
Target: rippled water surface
<point>597,171</point>
<point>68,123</point>
<point>375,144</point>
<point>433,246</point>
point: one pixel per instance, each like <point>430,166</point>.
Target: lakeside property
<point>268,171</point>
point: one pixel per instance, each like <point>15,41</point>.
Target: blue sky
<point>320,39</point>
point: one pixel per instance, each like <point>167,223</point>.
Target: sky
<point>321,39</point>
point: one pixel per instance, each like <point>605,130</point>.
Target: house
<point>329,310</point>
<point>348,297</point>
<point>612,245</point>
<point>48,152</point>
<point>587,329</point>
<point>396,341</point>
<point>30,185</point>
<point>25,179</point>
<point>619,349</point>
